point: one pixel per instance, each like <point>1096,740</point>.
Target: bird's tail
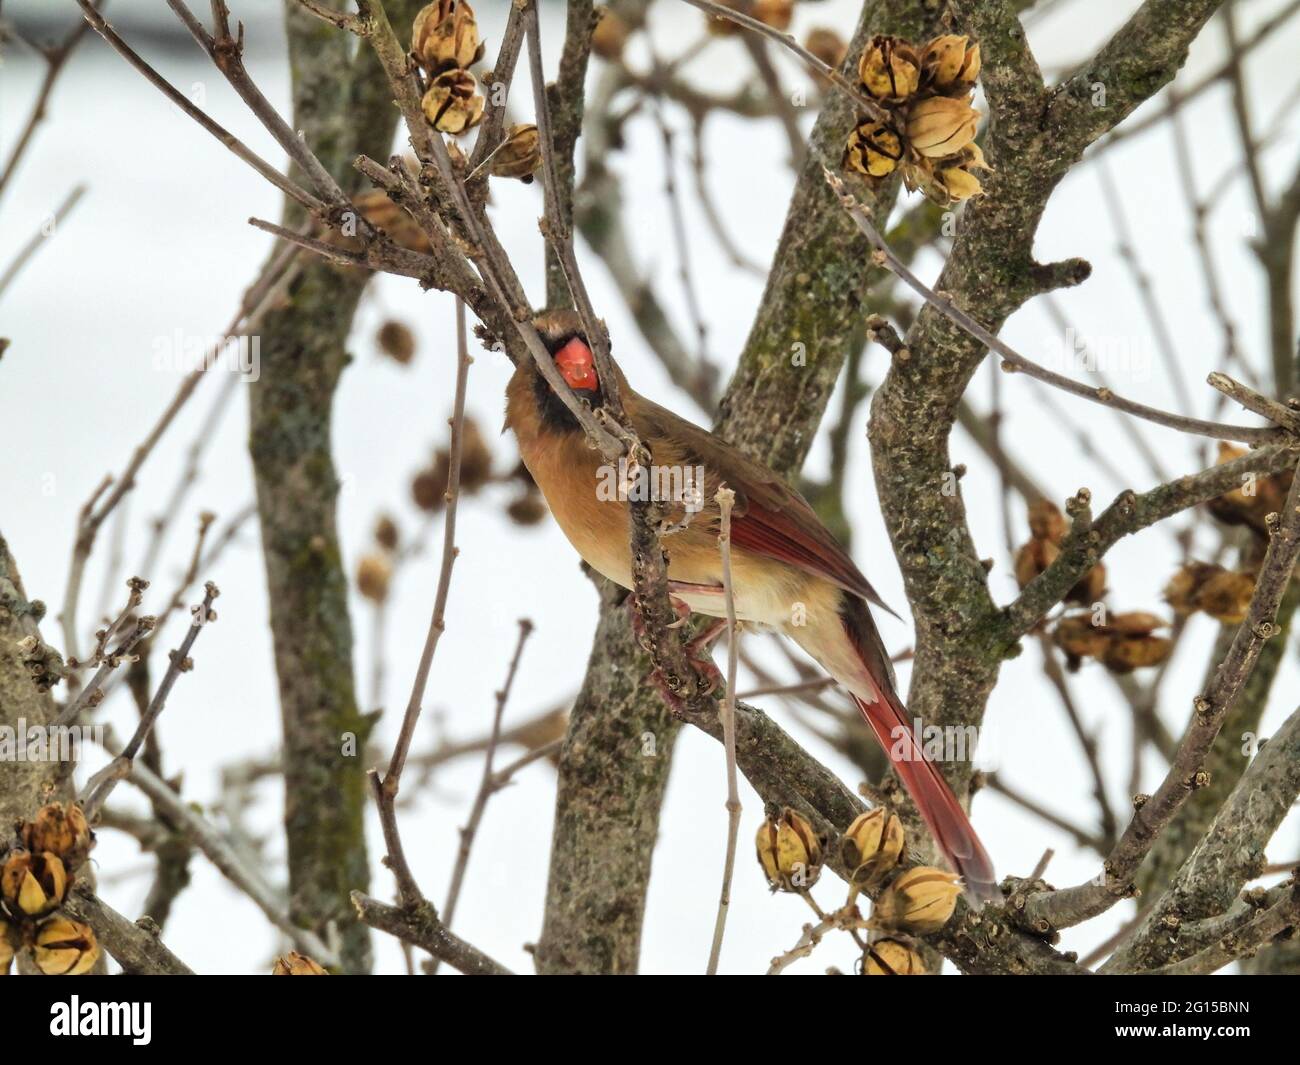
<point>934,799</point>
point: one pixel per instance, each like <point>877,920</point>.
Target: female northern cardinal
<point>788,573</point>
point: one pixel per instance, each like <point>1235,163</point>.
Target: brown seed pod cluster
<point>610,35</point>
<point>1254,501</point>
<point>39,868</point>
<point>929,133</point>
<point>1221,593</point>
<point>909,901</point>
<point>520,154</point>
<point>384,215</point>
<point>1047,528</point>
<point>376,567</point>
<point>396,341</point>
<point>827,45</point>
<point>1120,642</point>
<point>429,485</point>
<point>444,45</point>
<point>892,957</point>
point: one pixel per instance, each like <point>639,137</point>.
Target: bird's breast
<point>570,477</point>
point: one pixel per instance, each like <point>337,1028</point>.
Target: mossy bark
<point>1035,136</point>
<point>24,785</point>
<point>342,106</point>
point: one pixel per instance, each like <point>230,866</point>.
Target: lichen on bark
<point>343,106</point>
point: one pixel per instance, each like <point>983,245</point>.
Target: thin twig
<point>48,228</point>
<point>726,500</point>
<point>257,301</point>
<point>419,925</point>
<point>854,92</point>
<point>56,59</point>
<point>386,789</point>
<point>487,785</point>
<point>1072,905</point>
<point>284,184</point>
<point>341,19</point>
<point>1017,361</point>
<point>137,949</point>
<point>101,785</point>
<point>223,855</point>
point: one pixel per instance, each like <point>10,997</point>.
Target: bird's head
<point>562,333</point>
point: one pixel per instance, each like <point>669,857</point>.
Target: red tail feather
<point>934,800</point>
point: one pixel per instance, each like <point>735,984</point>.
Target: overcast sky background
<point>160,244</point>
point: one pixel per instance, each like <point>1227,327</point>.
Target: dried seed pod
<point>1090,588</point>
<point>610,35</point>
<point>1226,596</point>
<point>919,900</point>
<point>475,458</point>
<point>65,947</point>
<point>1079,638</point>
<point>387,535</point>
<point>950,65</point>
<point>941,126</point>
<point>374,575</point>
<point>384,214</point>
<point>7,947</point>
<point>396,340</point>
<point>889,69</point>
<point>520,154</point>
<point>1123,654</point>
<point>1180,591</point>
<point>1034,557</point>
<point>789,852</point>
<point>444,36</point>
<point>1037,554</point>
<point>1222,594</point>
<point>827,45</point>
<point>1046,522</point>
<point>872,845</point>
<point>296,964</point>
<point>972,157</point>
<point>1257,497</point>
<point>774,13</point>
<point>959,183</point>
<point>60,830</point>
<point>528,509</point>
<point>1135,623</point>
<point>453,104</point>
<point>33,883</point>
<point>873,149</point>
<point>892,957</point>
<point>429,487</point>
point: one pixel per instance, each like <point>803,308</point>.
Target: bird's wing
<point>770,517</point>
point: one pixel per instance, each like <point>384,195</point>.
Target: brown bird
<point>788,572</point>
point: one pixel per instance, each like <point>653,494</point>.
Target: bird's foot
<point>682,611</point>
<point>709,672</point>
<point>675,702</point>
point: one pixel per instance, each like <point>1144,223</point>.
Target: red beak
<point>577,365</point>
